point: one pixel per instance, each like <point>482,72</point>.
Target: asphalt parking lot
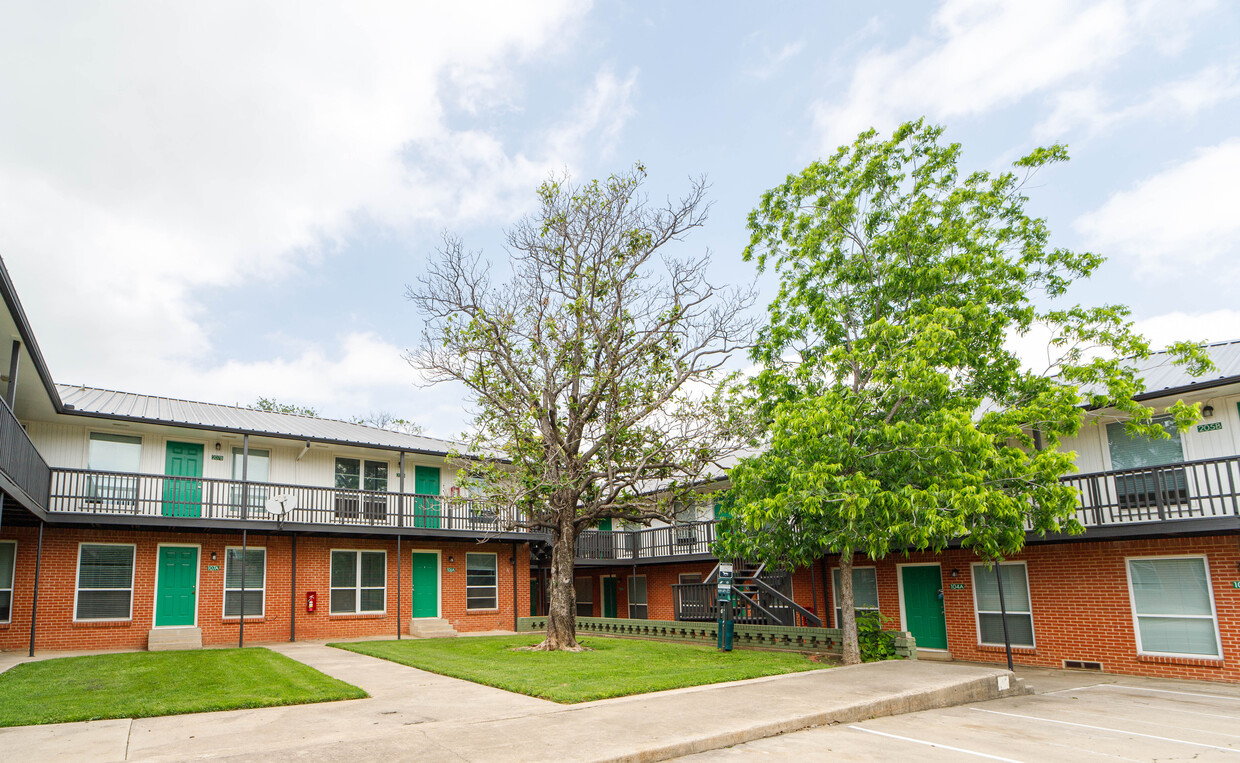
<point>1074,716</point>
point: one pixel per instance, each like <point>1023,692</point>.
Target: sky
<point>221,201</point>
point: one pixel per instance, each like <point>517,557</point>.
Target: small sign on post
<point>723,602</point>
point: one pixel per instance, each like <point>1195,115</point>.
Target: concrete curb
<point>974,690</point>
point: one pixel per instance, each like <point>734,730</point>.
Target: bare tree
<point>596,369</point>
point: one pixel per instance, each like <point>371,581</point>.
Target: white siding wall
<point>67,446</point>
<point>1093,453</point>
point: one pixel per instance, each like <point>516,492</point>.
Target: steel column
<point>292,594</point>
<point>398,556</point>
<point>10,394</point>
<point>34,606</point>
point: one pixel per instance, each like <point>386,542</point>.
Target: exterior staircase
<point>760,597</point>
<point>431,627</point>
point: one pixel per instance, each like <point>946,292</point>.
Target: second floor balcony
<point>170,501</point>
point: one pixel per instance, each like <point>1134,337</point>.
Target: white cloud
<point>154,150</point>
<point>981,55</point>
<point>1184,215</point>
<point>1086,108</point>
<point>1214,326</point>
<point>773,60</point>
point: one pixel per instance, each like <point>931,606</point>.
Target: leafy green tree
<point>271,405</point>
<point>389,421</point>
<point>897,415</point>
<point>594,369</point>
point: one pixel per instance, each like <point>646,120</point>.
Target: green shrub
<point>876,644</point>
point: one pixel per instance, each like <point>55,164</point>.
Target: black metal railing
<point>20,460</point>
<point>75,491</point>
<point>684,539</point>
<point>1208,487</point>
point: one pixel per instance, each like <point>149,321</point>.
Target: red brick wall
<point>1081,605</point>
<point>56,629</point>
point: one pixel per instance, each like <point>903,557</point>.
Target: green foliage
<point>897,416</point>
<point>148,684</point>
<point>877,644</point>
<point>271,405</point>
<point>612,667</point>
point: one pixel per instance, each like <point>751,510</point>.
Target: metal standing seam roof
<point>165,410</point>
<point>1161,375</point>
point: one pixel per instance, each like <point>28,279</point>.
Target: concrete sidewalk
<point>415,715</point>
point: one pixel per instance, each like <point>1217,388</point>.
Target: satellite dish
<point>279,504</point>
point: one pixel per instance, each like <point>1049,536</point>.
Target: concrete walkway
<point>414,715</point>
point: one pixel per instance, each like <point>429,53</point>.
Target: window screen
<point>358,582</point>
<point>105,582</point>
<point>8,553</point>
<point>865,590</point>
<point>255,581</point>
<point>1174,607</point>
<point>1015,600</point>
<point>481,581</point>
<point>585,596</point>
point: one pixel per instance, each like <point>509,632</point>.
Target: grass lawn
<point>146,684</point>
<point>617,667</point>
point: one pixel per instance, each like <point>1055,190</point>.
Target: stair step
<point>431,627</point>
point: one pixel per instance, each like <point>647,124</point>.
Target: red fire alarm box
<point>312,601</point>
<point>454,491</point>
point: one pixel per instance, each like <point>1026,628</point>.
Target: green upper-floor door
<point>176,594</point>
<point>183,497</point>
<point>426,504</point>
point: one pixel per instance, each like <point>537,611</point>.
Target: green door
<point>609,597</point>
<point>183,497</point>
<point>424,586</point>
<point>175,594</point>
<point>426,503</point>
<point>604,525</point>
<point>923,605</point>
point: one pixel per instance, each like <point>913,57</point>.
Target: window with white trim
<point>257,470</point>
<point>104,582</point>
<point>255,581</point>
<point>109,452</point>
<point>1173,606</point>
<point>1016,601</point>
<point>865,591</point>
<point>584,588</point>
<point>8,557</point>
<point>358,582</point>
<point>481,581</point>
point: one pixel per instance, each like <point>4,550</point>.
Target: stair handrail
<point>773,617</point>
<point>810,617</point>
<point>712,574</point>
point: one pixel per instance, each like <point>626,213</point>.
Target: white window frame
<point>357,586</point>
<point>494,587</point>
<point>1136,626</point>
<point>77,585</point>
<point>263,609</point>
<point>835,608</point>
<point>13,581</point>
<point>977,611</point>
<point>628,598</point>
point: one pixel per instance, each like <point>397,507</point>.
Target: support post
<point>398,558</point>
<point>34,606</point>
<point>292,595</point>
<point>400,499</point>
<point>813,591</point>
<point>2,497</point>
<point>1007,641</point>
<point>15,360</point>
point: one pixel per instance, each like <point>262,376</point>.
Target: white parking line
<point>934,744</point>
<point>1113,731</point>
<point>1169,691</point>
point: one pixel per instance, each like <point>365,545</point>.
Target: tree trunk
<point>562,613</point>
<point>848,611</point>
